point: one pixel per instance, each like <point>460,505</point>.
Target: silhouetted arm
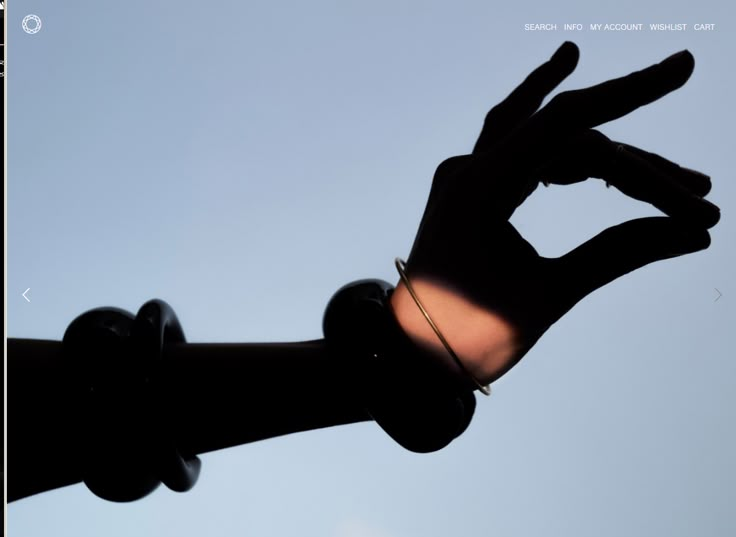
<point>489,290</point>
<point>223,395</point>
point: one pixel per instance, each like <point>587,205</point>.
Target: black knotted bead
<point>407,392</point>
<point>128,449</point>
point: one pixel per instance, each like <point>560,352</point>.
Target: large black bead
<point>407,393</point>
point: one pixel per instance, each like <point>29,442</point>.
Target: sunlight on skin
<point>484,341</point>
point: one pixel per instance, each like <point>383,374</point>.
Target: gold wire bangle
<point>401,267</point>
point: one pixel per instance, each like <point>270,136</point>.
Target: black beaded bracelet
<point>385,368</point>
<point>128,449</point>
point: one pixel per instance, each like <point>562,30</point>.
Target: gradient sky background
<point>242,160</point>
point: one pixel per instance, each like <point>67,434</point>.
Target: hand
<point>488,290</point>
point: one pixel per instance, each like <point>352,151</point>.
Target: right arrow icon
<point>719,295</point>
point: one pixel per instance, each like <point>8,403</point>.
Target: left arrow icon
<point>25,293</point>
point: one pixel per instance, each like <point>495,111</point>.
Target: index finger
<point>528,96</point>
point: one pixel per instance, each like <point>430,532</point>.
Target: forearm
<point>230,394</point>
<point>220,395</point>
<point>124,403</point>
<point>42,426</point>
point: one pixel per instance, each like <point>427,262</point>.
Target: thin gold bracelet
<point>485,389</point>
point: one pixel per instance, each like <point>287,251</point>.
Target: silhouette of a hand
<point>467,249</point>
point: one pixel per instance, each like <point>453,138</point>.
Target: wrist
<point>483,340</point>
<point>410,395</point>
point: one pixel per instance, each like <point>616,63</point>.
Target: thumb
<point>624,248</point>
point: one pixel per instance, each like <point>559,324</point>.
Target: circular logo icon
<point>31,24</point>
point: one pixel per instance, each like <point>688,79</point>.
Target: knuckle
<point>450,167</point>
<point>595,137</point>
<point>493,114</point>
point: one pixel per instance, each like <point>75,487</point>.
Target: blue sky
<point>146,137</point>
